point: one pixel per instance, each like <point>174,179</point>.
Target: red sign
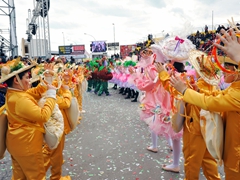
<point>78,49</point>
<point>126,49</point>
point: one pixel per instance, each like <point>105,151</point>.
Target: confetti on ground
<point>110,144</point>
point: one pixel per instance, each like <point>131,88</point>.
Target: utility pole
<point>114,36</point>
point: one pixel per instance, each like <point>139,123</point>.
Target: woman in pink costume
<point>164,128</point>
<point>156,106</point>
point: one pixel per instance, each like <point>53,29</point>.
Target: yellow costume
<point>194,147</point>
<point>24,142</point>
<point>195,152</point>
<point>54,158</point>
<point>228,102</point>
<point>79,74</point>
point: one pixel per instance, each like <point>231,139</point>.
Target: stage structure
<point>38,31</point>
<point>8,36</point>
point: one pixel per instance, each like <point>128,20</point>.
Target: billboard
<point>71,50</point>
<point>98,46</point>
<point>111,46</point>
<point>126,49</point>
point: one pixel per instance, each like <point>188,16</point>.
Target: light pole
<point>114,36</point>
<point>63,38</point>
<point>91,36</point>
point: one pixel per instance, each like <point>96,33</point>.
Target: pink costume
<point>156,103</point>
<point>114,79</point>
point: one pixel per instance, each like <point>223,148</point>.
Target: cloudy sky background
<point>133,19</point>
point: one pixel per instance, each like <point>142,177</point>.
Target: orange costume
<point>78,92</point>
<point>194,147</point>
<point>25,131</point>
<point>227,102</point>
<point>54,158</point>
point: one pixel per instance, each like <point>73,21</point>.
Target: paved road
<point>110,144</point>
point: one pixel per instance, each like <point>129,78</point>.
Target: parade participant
<point>24,137</point>
<point>195,152</point>
<point>164,127</point>
<point>97,64</point>
<point>81,74</point>
<point>175,49</point>
<point>54,158</point>
<point>104,75</point>
<point>227,102</point>
<point>123,78</point>
<point>231,44</point>
<point>126,84</point>
<point>112,66</point>
<point>152,107</point>
<point>88,64</point>
<point>118,70</point>
<point>131,88</point>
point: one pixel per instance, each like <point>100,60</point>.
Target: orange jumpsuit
<point>79,88</point>
<point>195,151</point>
<point>54,158</point>
<point>194,147</point>
<point>228,102</point>
<point>24,142</point>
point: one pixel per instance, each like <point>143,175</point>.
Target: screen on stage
<point>99,46</point>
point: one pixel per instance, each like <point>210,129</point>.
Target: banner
<point>125,50</point>
<point>71,50</point>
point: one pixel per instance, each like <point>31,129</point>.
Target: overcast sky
<point>133,19</point>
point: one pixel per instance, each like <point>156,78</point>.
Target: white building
<point>34,48</point>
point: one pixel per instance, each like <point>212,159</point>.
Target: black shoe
<point>126,91</point>
<point>134,100</point>
<point>133,93</point>
<point>127,97</point>
<point>115,86</point>
<point>121,90</point>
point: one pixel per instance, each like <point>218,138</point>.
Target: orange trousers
<point>196,156</point>
<point>28,167</point>
<point>231,175</point>
<point>79,99</point>
<point>54,158</point>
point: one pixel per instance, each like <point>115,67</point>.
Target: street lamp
<point>114,36</point>
<point>90,35</point>
<point>63,39</point>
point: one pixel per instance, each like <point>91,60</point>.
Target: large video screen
<point>99,46</point>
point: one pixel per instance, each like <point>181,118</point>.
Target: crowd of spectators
<point>204,40</point>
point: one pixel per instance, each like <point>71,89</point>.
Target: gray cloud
<point>178,11</point>
<point>64,25</point>
<point>156,3</point>
<point>97,7</point>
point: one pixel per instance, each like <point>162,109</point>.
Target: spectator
<point>206,29</point>
<point>72,60</point>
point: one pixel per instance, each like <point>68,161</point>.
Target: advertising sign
<point>126,49</point>
<point>71,50</point>
<point>111,46</point>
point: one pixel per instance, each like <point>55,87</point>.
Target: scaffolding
<point>8,36</point>
<point>38,32</point>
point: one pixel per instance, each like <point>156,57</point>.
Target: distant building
<point>35,48</point>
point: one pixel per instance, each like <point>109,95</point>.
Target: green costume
<point>104,75</point>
